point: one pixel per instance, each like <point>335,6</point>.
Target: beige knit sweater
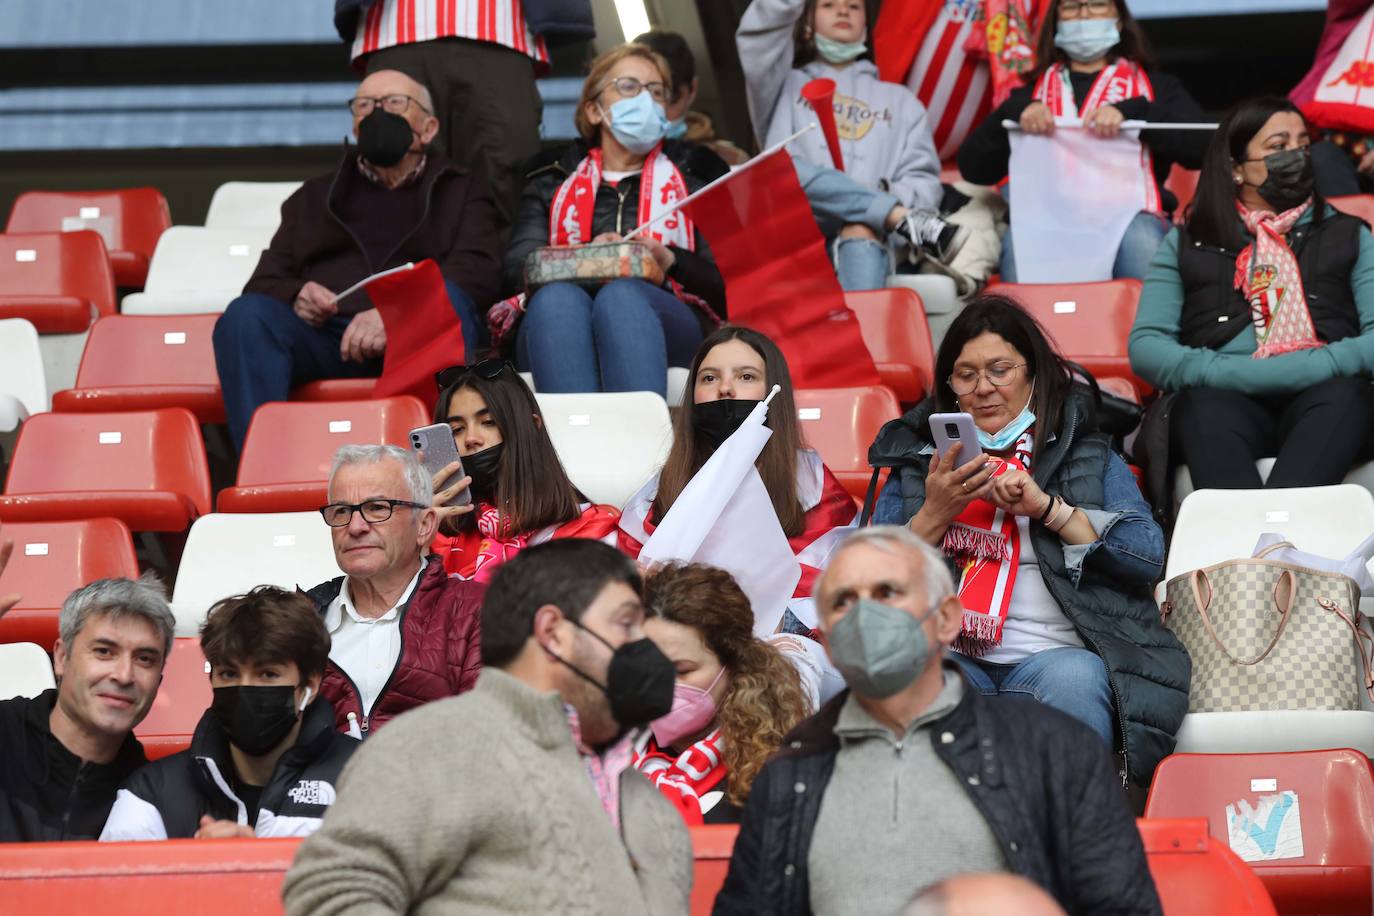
<point>480,804</point>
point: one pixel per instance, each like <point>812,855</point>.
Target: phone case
<point>436,442</point>
<point>948,428</point>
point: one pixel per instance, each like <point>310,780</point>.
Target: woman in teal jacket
<point>1257,317</point>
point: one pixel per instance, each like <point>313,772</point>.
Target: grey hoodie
<point>884,137</point>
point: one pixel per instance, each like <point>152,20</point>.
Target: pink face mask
<point>693,709</point>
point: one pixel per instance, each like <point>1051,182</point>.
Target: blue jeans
<point>1133,256</point>
<point>622,339</point>
<point>263,349</point>
<point>1073,681</point>
<point>861,264</point>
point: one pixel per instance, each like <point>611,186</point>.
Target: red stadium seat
<point>1361,205</point>
<point>711,848</point>
<point>290,447</point>
<point>147,469</point>
<point>1183,184</point>
<point>59,281</point>
<point>1335,793</point>
<point>136,217</point>
<point>1195,874</point>
<point>337,389</point>
<point>143,362</point>
<point>1089,323</point>
<point>895,330</point>
<point>841,423</point>
<point>182,699</point>
<point>51,559</point>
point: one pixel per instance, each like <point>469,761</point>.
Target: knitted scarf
<point>1267,275</point>
<point>686,779</point>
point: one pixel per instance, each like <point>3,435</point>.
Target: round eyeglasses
<point>965,381</point>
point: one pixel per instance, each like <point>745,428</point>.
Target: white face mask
<point>838,52</point>
<point>1087,39</point>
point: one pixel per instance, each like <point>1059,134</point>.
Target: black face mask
<point>256,719</point>
<point>716,421</point>
<point>639,680</point>
<point>384,138</point>
<point>1290,180</point>
<point>484,468</point>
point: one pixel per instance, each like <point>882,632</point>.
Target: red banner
<point>778,279</point>
<point>423,333</point>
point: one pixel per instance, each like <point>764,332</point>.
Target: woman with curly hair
<point>735,698</point>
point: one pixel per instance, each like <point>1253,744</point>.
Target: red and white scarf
<point>690,780</point>
<point>1267,275</point>
<point>498,543</point>
<point>574,204</point>
<point>1118,81</point>
<point>985,543</point>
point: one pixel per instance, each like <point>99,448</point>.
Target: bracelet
<point>1061,517</point>
<point>1049,507</point>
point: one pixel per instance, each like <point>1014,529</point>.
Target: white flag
<point>724,518</point>
<point>1072,196</point>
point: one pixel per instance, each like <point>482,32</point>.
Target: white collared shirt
<point>366,648</point>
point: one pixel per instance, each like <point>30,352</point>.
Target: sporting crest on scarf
<point>1267,276</point>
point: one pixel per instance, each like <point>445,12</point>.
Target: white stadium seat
<point>677,384</point>
<point>197,270</point>
<point>249,204</point>
<point>25,670</point>
<point>229,553</point>
<point>1360,475</point>
<point>610,443</point>
<point>23,386</point>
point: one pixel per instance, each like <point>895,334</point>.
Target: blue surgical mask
<point>1087,39</point>
<point>838,52</point>
<point>638,123</point>
<point>677,129</point>
<point>1006,437</point>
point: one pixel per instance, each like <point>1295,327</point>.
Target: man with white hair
<point>909,777</point>
<point>402,631</point>
<point>65,753</point>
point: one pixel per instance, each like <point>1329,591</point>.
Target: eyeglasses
<point>965,381</point>
<point>375,511</point>
<point>629,87</point>
<point>488,369</point>
<point>1075,9</point>
<point>363,105</point>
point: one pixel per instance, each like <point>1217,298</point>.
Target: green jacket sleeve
<point>1156,354</point>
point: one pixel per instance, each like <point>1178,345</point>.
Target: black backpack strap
<point>869,499</point>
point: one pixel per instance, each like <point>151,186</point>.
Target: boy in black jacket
<point>265,756</point>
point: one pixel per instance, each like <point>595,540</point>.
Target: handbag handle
<point>1362,640</point>
<point>1285,608</point>
<point>1273,547</point>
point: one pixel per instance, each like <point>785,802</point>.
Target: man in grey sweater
<point>516,797</point>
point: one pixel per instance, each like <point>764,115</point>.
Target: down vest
<point>1037,776</point>
<point>440,649</point>
<point>1148,667</point>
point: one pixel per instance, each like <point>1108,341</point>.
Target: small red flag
<point>423,333</point>
<point>778,279</point>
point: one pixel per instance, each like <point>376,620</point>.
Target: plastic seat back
<point>227,554</point>
<point>290,448</point>
<point>841,423</point>
<point>1195,874</point>
<point>59,281</point>
<point>130,220</point>
<point>142,362</point>
<point>1302,821</point>
<point>147,468</point>
<point>610,443</point>
<point>1361,205</point>
<point>895,330</point>
<point>25,670</point>
<point>182,699</point>
<point>712,846</point>
<point>1089,323</point>
<point>197,270</point>
<point>1183,184</point>
<point>249,204</point>
<point>52,559</point>
<point>335,389</point>
<point>23,385</point>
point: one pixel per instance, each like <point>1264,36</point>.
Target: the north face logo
<point>312,792</point>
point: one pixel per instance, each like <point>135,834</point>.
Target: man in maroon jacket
<point>391,200</point>
<point>403,632</point>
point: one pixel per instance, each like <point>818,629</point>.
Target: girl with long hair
<point>735,699</point>
<point>520,493</point>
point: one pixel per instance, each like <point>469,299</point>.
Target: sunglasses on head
<point>487,369</point>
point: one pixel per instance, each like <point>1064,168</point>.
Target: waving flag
<point>423,333</point>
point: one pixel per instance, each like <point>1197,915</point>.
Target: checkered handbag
<point>1269,635</point>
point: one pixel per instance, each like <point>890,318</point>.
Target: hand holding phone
<point>954,479</point>
<point>436,450</point>
<point>949,428</point>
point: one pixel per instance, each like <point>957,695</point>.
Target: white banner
<point>1072,196</point>
<point>724,518</point>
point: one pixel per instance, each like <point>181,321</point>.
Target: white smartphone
<point>434,445</point>
<point>949,428</point>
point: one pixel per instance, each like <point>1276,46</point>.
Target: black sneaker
<point>939,239</point>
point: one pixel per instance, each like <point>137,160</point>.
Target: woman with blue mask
<point>1093,62</point>
<point>624,335</point>
<point>1054,549</point>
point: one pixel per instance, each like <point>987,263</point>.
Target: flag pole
<point>1132,125</point>
<point>408,265</point>
<point>722,179</point>
<point>767,400</point>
